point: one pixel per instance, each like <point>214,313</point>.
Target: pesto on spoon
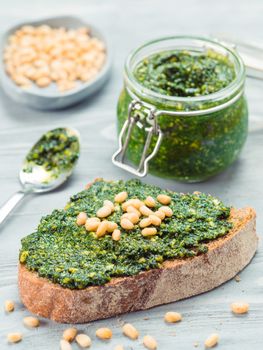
<point>48,164</point>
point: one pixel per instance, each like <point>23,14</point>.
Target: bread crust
<point>176,279</point>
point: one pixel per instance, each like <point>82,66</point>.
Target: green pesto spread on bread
<point>68,254</point>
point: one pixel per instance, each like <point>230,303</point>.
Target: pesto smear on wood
<point>67,254</point>
<point>57,151</point>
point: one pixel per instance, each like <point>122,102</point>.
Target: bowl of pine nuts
<point>53,63</point>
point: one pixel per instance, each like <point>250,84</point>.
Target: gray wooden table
<point>128,24</point>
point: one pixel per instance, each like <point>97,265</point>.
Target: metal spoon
<point>38,180</point>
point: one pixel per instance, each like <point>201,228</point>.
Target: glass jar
<point>182,138</point>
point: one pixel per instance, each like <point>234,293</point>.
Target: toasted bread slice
<point>176,279</point>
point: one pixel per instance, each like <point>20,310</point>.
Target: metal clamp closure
<point>152,128</point>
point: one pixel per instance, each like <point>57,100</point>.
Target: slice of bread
<point>177,279</point>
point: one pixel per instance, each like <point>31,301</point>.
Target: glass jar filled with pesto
<point>182,113</point>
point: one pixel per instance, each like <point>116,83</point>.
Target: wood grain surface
<point>128,23</point>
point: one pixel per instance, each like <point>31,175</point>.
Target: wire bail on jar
<point>151,129</point>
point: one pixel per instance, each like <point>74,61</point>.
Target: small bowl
<point>50,98</point>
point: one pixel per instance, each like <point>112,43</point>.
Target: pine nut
<point>108,203</point>
<point>14,337</point>
<point>9,306</point>
<point>211,341</point>
<point>172,317</point>
<point>104,333</point>
<point>126,224</point>
<point>150,202</point>
<point>83,340</point>
<point>116,235</point>
<point>167,211</point>
<point>149,231</point>
<point>133,217</point>
<point>111,226</point>
<point>149,342</point>
<point>102,229</point>
<point>121,197</point>
<point>145,222</point>
<point>31,321</point>
<point>70,334</point>
<point>146,211</point>
<point>81,218</point>
<point>21,80</point>
<point>196,192</point>
<point>164,199</point>
<point>104,212</point>
<point>125,215</point>
<point>43,81</point>
<point>65,345</point>
<point>156,221</point>
<point>239,307</point>
<point>131,209</point>
<point>136,203</point>
<point>92,224</point>
<point>119,347</point>
<point>160,214</point>
<point>130,331</point>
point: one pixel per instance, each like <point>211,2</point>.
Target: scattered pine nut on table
<point>240,307</point>
<point>69,334</point>
<point>65,345</point>
<point>83,340</point>
<point>212,340</point>
<point>14,337</point>
<point>104,333</point>
<point>9,306</point>
<point>31,321</point>
<point>130,331</point>
<point>172,317</point>
<point>149,342</point>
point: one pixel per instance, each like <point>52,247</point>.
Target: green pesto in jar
<point>193,148</point>
<point>56,151</point>
<point>185,74</point>
<point>67,254</point>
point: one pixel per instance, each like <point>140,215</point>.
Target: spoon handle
<point>10,204</point>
